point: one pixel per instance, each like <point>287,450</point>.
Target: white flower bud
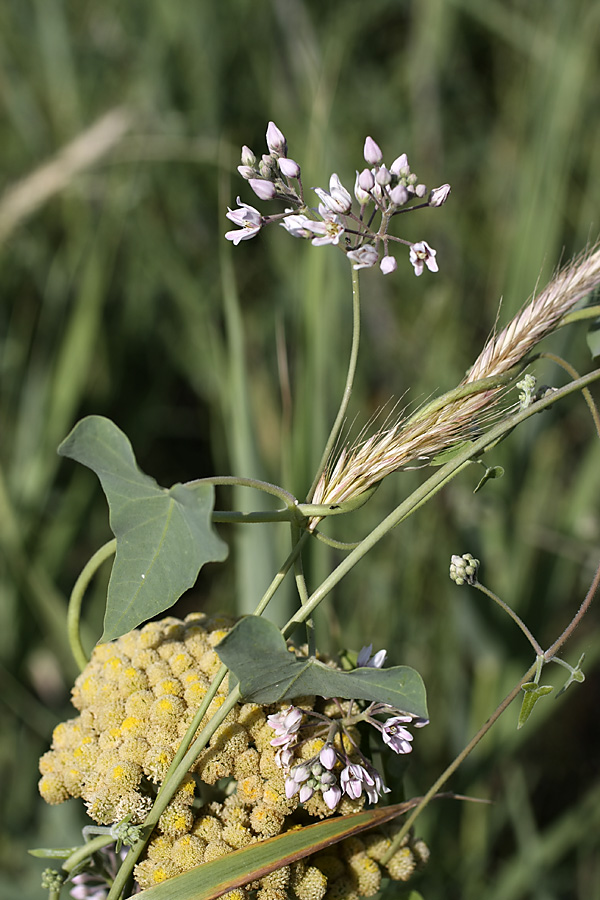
<point>439,195</point>
<point>400,165</point>
<point>388,264</point>
<point>360,192</point>
<point>276,141</point>
<point>306,792</point>
<point>366,180</point>
<point>332,796</point>
<point>372,152</point>
<point>289,167</point>
<point>248,157</point>
<point>267,167</point>
<point>383,176</point>
<point>265,190</point>
<point>328,756</point>
<point>364,257</point>
<point>421,190</point>
<point>399,195</point>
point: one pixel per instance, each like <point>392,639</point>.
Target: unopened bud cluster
<point>379,191</point>
<point>464,569</point>
<point>136,699</point>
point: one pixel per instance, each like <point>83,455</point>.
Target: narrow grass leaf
<point>164,536</point>
<point>210,880</point>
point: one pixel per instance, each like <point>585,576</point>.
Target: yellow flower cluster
<point>136,699</point>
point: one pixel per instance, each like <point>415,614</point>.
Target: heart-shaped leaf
<point>267,671</point>
<point>210,880</point>
<point>164,536</point>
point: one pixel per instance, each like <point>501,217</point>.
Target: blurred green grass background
<point>119,296</point>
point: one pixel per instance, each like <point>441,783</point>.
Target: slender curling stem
<point>339,420</point>
<point>555,647</point>
<point>484,590</point>
<point>237,481</point>
<point>585,392</point>
<point>76,598</point>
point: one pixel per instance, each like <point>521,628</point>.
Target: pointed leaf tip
<point>164,536</point>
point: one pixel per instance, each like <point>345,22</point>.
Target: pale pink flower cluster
<point>377,190</point>
<point>332,771</point>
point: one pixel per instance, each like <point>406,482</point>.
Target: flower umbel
<point>337,767</point>
<point>389,191</point>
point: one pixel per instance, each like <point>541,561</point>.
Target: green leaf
<point>164,536</point>
<point>212,879</point>
<point>448,455</point>
<point>268,672</point>
<point>593,338</point>
<point>53,853</point>
<point>532,693</point>
<point>490,473</point>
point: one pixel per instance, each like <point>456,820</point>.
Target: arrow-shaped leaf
<point>164,536</point>
<point>532,693</point>
<point>210,880</point>
<point>267,671</point>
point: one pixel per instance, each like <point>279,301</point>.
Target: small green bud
<point>52,879</point>
<point>464,569</point>
<point>526,391</point>
<point>126,833</point>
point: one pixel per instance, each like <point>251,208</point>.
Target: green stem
<point>76,598</point>
<point>285,568</point>
<point>238,481</point>
<point>86,850</point>
<point>303,592</point>
<point>484,590</point>
<point>585,392</point>
<point>234,517</point>
<point>473,387</point>
<point>339,420</point>
<point>588,312</point>
<point>555,647</point>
